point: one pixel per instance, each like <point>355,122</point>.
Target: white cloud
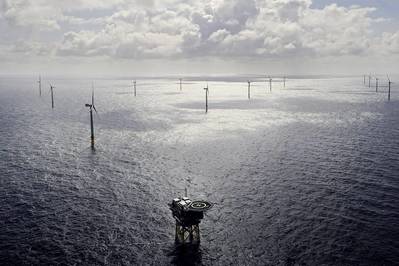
<point>177,28</point>
<point>28,48</point>
<point>47,14</point>
<point>83,43</point>
<point>390,42</point>
<point>26,13</point>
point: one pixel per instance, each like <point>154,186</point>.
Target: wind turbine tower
<point>91,108</point>
<point>389,88</point>
<point>249,89</point>
<point>206,97</point>
<point>52,95</point>
<point>270,83</point>
<point>40,85</point>
<point>376,84</point>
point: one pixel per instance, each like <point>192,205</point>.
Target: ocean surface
<point>302,175</point>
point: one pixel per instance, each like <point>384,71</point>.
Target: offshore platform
<point>188,215</point>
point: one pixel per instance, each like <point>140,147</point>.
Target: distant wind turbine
<point>389,88</point>
<point>40,85</point>
<point>206,97</point>
<point>52,95</point>
<point>376,84</point>
<point>249,89</point>
<point>284,80</point>
<point>134,86</point>
<point>181,86</point>
<point>91,108</point>
<point>270,83</point>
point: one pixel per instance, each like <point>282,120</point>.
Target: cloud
<point>26,13</point>
<point>47,14</point>
<point>222,28</point>
<point>390,42</point>
<point>83,43</point>
<point>238,28</point>
<point>337,30</point>
<point>28,48</point>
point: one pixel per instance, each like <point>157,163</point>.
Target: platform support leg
<point>187,234</point>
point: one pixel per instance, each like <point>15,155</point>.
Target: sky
<point>198,37</point>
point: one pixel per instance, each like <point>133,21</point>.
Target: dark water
<point>306,175</point>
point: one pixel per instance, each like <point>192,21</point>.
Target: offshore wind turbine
<point>284,80</point>
<point>249,89</point>
<point>389,88</point>
<point>206,97</point>
<point>270,83</point>
<point>134,87</point>
<point>52,95</point>
<point>181,84</point>
<point>40,85</point>
<point>91,108</point>
<point>376,84</point>
<point>364,79</point>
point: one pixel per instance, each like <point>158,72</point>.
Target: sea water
<point>306,174</point>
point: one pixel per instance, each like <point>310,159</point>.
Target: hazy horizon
<point>227,77</point>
